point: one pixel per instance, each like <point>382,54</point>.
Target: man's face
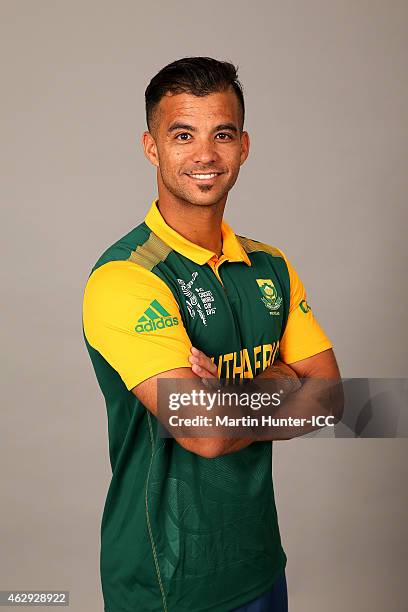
<point>197,146</point>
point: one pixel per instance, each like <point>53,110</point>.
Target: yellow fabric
<point>119,293</point>
<point>303,336</point>
<point>116,297</point>
<point>231,247</point>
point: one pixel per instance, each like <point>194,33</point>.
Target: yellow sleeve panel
<point>303,336</point>
<point>131,317</point>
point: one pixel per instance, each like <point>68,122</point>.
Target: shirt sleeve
<point>303,336</point>
<point>132,319</point>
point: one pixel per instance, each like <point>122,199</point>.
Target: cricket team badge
<point>270,296</point>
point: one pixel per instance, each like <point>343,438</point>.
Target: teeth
<point>203,176</point>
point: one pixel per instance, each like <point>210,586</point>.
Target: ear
<point>150,148</point>
<point>244,147</point>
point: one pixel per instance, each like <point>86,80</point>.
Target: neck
<point>199,224</point>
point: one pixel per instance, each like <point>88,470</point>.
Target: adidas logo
<point>155,317</point>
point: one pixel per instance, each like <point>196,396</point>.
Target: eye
<point>224,136</point>
<point>183,136</point>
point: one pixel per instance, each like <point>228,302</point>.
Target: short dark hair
<point>199,76</point>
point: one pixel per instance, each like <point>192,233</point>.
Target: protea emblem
<point>270,296</point>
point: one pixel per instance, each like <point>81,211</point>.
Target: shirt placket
<point>214,263</point>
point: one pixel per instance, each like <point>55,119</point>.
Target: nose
<point>205,151</point>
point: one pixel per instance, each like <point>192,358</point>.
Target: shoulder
<point>132,257</point>
<point>273,254</point>
<point>252,246</point>
<point>116,278</point>
<point>140,245</point>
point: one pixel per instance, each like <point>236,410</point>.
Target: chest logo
<point>199,301</point>
<point>270,296</point>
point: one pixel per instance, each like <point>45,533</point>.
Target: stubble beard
<point>186,196</point>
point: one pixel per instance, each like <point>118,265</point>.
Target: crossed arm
<point>301,401</point>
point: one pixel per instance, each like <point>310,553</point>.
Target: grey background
<point>327,109</point>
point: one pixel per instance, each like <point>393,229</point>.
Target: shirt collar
<point>231,247</point>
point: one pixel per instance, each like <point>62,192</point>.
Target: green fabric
<point>179,532</point>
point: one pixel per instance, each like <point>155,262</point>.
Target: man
<point>190,523</point>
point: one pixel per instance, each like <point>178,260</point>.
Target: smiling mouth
<point>203,176</point>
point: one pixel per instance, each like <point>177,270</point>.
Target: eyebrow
<point>185,126</point>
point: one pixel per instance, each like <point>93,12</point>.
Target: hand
<point>282,373</point>
<point>202,365</point>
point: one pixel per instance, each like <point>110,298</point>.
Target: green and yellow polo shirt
<point>181,532</point>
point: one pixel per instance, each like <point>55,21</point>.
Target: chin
<point>202,195</point>
<point>199,198</point>
<point>205,200</point>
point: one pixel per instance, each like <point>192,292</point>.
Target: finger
<point>202,360</point>
<point>201,356</point>
<point>201,372</point>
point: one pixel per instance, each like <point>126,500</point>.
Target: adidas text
<point>156,324</point>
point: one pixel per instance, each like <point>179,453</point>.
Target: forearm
<point>316,397</point>
<point>194,438</point>
<point>297,415</point>
<point>321,395</point>
<point>317,403</point>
